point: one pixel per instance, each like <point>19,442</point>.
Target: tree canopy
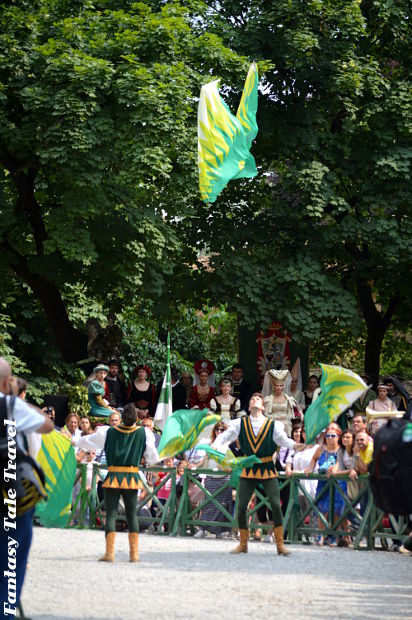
<point>98,150</point>
<point>324,240</point>
<point>98,178</point>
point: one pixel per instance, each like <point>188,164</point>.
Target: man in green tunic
<point>260,436</point>
<point>124,445</point>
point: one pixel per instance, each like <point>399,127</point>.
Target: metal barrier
<point>359,518</point>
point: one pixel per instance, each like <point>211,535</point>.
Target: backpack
<point>29,481</point>
<point>391,467</point>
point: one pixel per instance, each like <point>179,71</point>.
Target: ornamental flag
<point>57,459</point>
<point>224,140</point>
<point>164,407</point>
<point>229,460</point>
<point>340,388</point>
<point>182,430</point>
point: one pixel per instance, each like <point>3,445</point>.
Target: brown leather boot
<point>242,546</point>
<point>282,550</point>
<point>109,555</point>
<point>133,546</point>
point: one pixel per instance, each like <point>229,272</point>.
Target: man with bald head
<point>16,419</point>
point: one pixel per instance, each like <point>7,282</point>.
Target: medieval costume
<point>124,447</point>
<point>257,436</point>
<point>283,407</point>
<point>202,393</point>
<point>95,393</point>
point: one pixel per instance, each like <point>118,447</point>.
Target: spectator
<point>364,452</point>
<point>21,388</point>
<point>242,389</point>
<point>312,390</point>
<point>364,445</point>
<point>347,462</point>
<point>358,423</point>
<point>115,418</point>
<point>115,388</point>
<point>397,393</point>
<point>326,457</point>
<point>72,428</point>
<point>85,426</point>
<point>298,462</point>
<point>359,406</point>
<point>213,483</point>
<point>149,423</point>
<point>27,419</point>
<point>178,392</point>
<point>187,381</point>
<point>297,394</point>
<point>141,392</point>
<point>51,413</point>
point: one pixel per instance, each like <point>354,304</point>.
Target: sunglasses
<point>329,435</point>
<point>219,430</point>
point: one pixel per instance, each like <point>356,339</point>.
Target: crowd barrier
<point>359,518</point>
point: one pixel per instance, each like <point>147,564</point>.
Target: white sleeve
<point>213,405</point>
<point>228,436</point>
<point>280,438</point>
<point>151,454</point>
<point>94,440</point>
<point>28,419</point>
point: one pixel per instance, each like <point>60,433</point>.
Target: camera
<point>49,410</point>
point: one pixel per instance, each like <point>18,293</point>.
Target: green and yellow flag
<point>229,460</point>
<point>340,388</point>
<point>57,459</point>
<point>182,430</point>
<point>224,140</point>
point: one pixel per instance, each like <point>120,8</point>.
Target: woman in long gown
<point>141,392</point>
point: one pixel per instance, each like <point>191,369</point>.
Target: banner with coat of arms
<point>273,349</point>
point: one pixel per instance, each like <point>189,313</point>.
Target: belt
<point>128,470</point>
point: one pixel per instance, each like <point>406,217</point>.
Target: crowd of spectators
<point>344,450</point>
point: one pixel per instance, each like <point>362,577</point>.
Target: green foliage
<point>324,239</point>
<point>98,151</point>
<point>209,333</point>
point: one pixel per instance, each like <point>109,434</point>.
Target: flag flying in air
<point>235,463</point>
<point>57,459</point>
<point>340,388</point>
<point>164,406</point>
<point>182,430</point>
<point>224,140</point>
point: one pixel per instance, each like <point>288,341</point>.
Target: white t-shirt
<point>27,418</point>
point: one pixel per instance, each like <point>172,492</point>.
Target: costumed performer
<point>141,392</point>
<point>226,405</point>
<point>95,393</point>
<point>259,436</point>
<point>124,445</point>
<point>278,405</point>
<point>203,385</point>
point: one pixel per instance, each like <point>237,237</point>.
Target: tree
<point>98,148</point>
<point>323,241</point>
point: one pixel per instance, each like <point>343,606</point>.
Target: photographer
<point>51,413</point>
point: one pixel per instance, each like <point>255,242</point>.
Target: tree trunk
<point>71,343</point>
<point>377,324</point>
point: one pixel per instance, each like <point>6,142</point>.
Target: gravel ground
<point>184,579</point>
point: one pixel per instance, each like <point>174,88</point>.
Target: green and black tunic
<point>124,447</point>
<point>261,446</point>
